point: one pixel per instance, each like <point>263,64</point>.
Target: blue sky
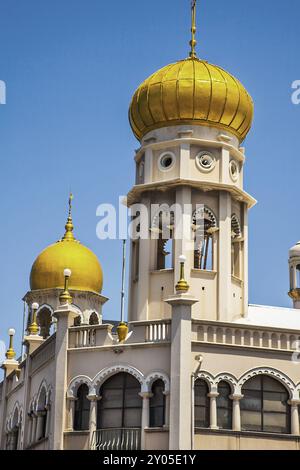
<point>71,68</point>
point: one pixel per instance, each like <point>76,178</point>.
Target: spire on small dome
<point>69,225</point>
<point>193,42</point>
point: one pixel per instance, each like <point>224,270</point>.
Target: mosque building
<point>196,366</point>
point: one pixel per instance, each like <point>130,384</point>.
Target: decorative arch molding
<point>269,371</point>
<point>152,377</point>
<point>163,209</point>
<point>208,378</point>
<point>228,378</point>
<point>207,213</point>
<point>107,372</point>
<point>10,424</point>
<point>235,227</point>
<point>46,307</point>
<point>42,387</point>
<point>76,383</point>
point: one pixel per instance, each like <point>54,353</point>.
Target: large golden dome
<point>191,91</point>
<point>47,270</point>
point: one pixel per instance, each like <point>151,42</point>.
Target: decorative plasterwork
<point>152,377</point>
<point>75,384</point>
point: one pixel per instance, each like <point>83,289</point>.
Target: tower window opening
<point>235,246</point>
<point>298,276</point>
<point>204,223</point>
<point>93,320</point>
<point>44,321</point>
<point>165,245</point>
<point>166,161</point>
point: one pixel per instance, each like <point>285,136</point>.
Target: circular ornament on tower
<point>166,161</point>
<point>205,161</point>
<point>234,170</point>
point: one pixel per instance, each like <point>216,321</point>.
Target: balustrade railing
<point>116,439</point>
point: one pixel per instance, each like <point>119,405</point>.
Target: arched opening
<point>94,320</point>
<point>119,413</point>
<point>224,406</point>
<point>235,246</point>
<point>163,229</point>
<point>264,406</point>
<point>77,321</point>
<point>44,321</point>
<point>12,440</point>
<point>157,404</point>
<point>82,409</point>
<point>42,415</point>
<point>204,226</point>
<point>201,404</point>
<point>298,276</point>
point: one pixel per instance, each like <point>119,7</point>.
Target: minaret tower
<point>191,118</point>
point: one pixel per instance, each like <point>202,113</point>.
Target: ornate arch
<point>42,387</point>
<point>75,384</point>
<point>162,209</point>
<point>269,371</point>
<point>228,378</point>
<point>207,213</point>
<point>208,378</point>
<point>152,377</point>
<point>236,230</point>
<point>107,372</point>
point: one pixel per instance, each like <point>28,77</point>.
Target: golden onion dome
<point>48,269</point>
<point>191,91</point>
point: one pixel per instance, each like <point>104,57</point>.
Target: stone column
<point>294,417</point>
<point>65,315</point>
<point>48,419</point>
<point>145,416</point>
<point>34,428</point>
<point>93,416</point>
<point>213,410</point>
<point>180,435</point>
<point>236,412</point>
<point>167,408</point>
<point>224,258</point>
<point>70,412</point>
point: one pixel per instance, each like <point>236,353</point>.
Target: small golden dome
<point>191,91</point>
<point>48,269</point>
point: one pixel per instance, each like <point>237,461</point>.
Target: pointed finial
<point>34,328</point>
<point>69,225</point>
<point>10,353</point>
<point>65,297</point>
<point>182,286</point>
<point>193,42</point>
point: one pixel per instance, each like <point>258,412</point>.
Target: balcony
<point>117,439</point>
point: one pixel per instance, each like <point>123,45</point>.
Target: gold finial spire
<point>193,42</point>
<point>69,225</point>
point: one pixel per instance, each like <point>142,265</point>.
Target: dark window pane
<point>224,406</point>
<point>202,404</point>
<point>157,404</point>
<point>82,409</point>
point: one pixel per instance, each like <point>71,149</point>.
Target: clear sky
<point>71,67</point>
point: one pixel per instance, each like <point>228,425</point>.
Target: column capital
<point>236,396</point>
<point>94,397</point>
<point>294,402</point>
<point>71,398</point>
<point>146,394</point>
<point>213,395</point>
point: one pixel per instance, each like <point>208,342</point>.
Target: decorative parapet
<point>230,334</point>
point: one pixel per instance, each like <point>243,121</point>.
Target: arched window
<point>77,321</point>
<point>201,403</point>
<point>44,320</point>
<point>224,406</point>
<point>163,227</point>
<point>82,409</point>
<point>12,439</point>
<point>42,415</point>
<point>265,406</point>
<point>298,276</point>
<point>121,405</point>
<point>204,225</point>
<point>157,404</point>
<point>94,320</point>
<point>235,246</point>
